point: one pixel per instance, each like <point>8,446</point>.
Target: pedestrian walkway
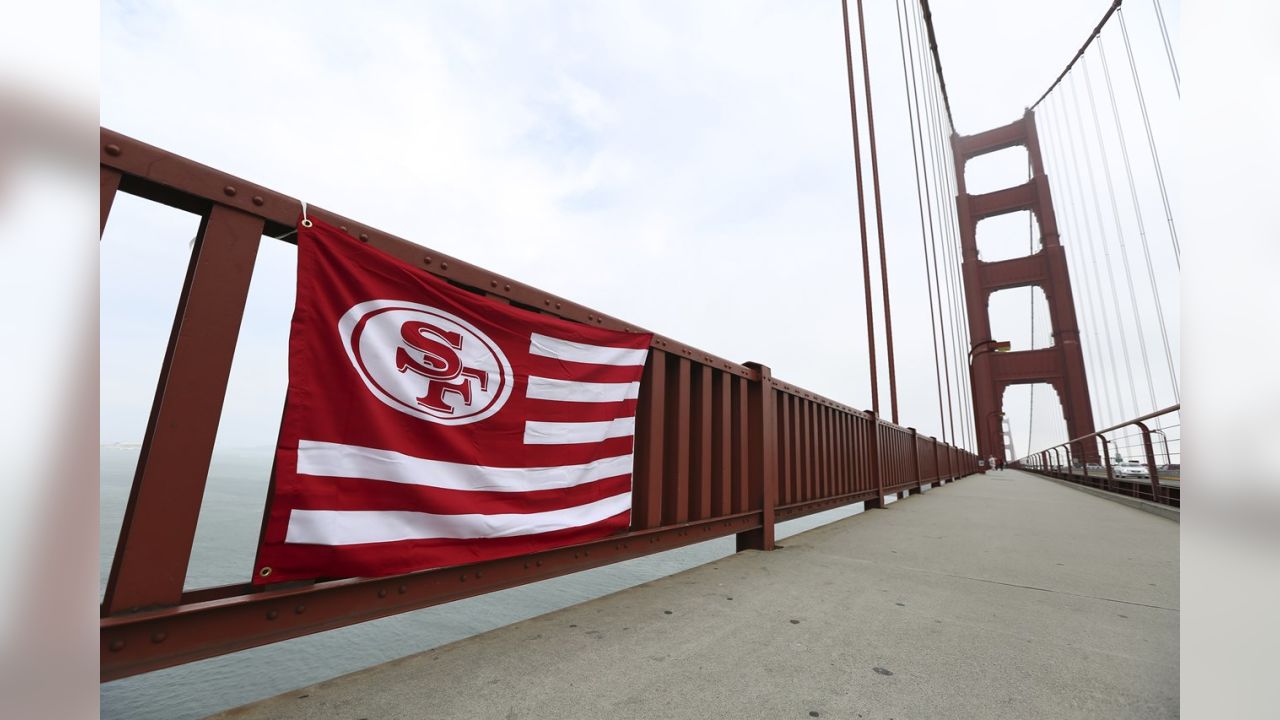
<point>1000,596</point>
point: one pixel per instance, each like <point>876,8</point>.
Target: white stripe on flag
<point>352,461</point>
<point>551,347</point>
<point>353,527</point>
<point>541,388</point>
<point>538,432</point>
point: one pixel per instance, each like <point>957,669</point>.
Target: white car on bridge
<point>1131,469</point>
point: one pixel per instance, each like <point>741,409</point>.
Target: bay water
<point>223,553</point>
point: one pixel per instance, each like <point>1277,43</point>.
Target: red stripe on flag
<point>540,366</point>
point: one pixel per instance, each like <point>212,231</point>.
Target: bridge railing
<point>1153,473</point>
<point>721,448</point>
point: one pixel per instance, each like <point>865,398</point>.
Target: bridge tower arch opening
<point>1021,317</point>
<point>992,368</point>
<point>1032,416</point>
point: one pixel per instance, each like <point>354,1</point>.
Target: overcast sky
<point>685,166</point>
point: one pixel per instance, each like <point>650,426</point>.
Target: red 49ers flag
<point>427,426</point>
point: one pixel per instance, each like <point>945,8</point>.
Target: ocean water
<point>223,553</point>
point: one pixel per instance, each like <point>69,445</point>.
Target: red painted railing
<point>1064,461</point>
<point>722,448</point>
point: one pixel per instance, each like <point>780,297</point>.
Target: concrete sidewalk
<point>999,596</point>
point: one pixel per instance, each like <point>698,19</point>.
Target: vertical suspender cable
<point>1092,279</point>
<point>1151,140</point>
<point>926,149</point>
<point>946,206</point>
<point>907,86</point>
<point>1137,210</point>
<point>1031,292</point>
<point>1168,49</point>
<point>949,359</point>
<point>924,163</point>
<point>942,153</point>
<point>953,226</point>
<point>1124,254</point>
<point>862,211</point>
<point>875,190</point>
<point>1069,221</point>
<point>1102,236</point>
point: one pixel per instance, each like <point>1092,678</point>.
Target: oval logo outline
<point>374,337</point>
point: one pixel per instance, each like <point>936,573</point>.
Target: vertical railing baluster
<point>915,461</point>
<point>150,565</point>
<point>651,418</point>
<point>676,468</point>
<point>742,446</point>
<point>877,470</point>
<point>764,448</point>
<point>702,446</point>
<point>787,495</point>
<point>109,184</point>
<point>722,430</point>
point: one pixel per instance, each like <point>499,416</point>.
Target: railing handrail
<point>721,448</point>
<point>1149,416</point>
<point>1166,494</point>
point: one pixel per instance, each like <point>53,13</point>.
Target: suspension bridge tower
<point>1060,365</point>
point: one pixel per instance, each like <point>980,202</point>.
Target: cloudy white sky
<point>686,166</point>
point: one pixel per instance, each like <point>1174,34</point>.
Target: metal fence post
<point>1106,460</point>
<point>1151,462</point>
<point>762,412</point>
<point>159,525</point>
<point>937,462</point>
<point>878,501</point>
<point>915,463</point>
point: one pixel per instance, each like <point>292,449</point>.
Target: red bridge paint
<point>722,448</point>
<point>1062,365</point>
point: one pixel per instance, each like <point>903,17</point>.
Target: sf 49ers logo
<point>426,362</point>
